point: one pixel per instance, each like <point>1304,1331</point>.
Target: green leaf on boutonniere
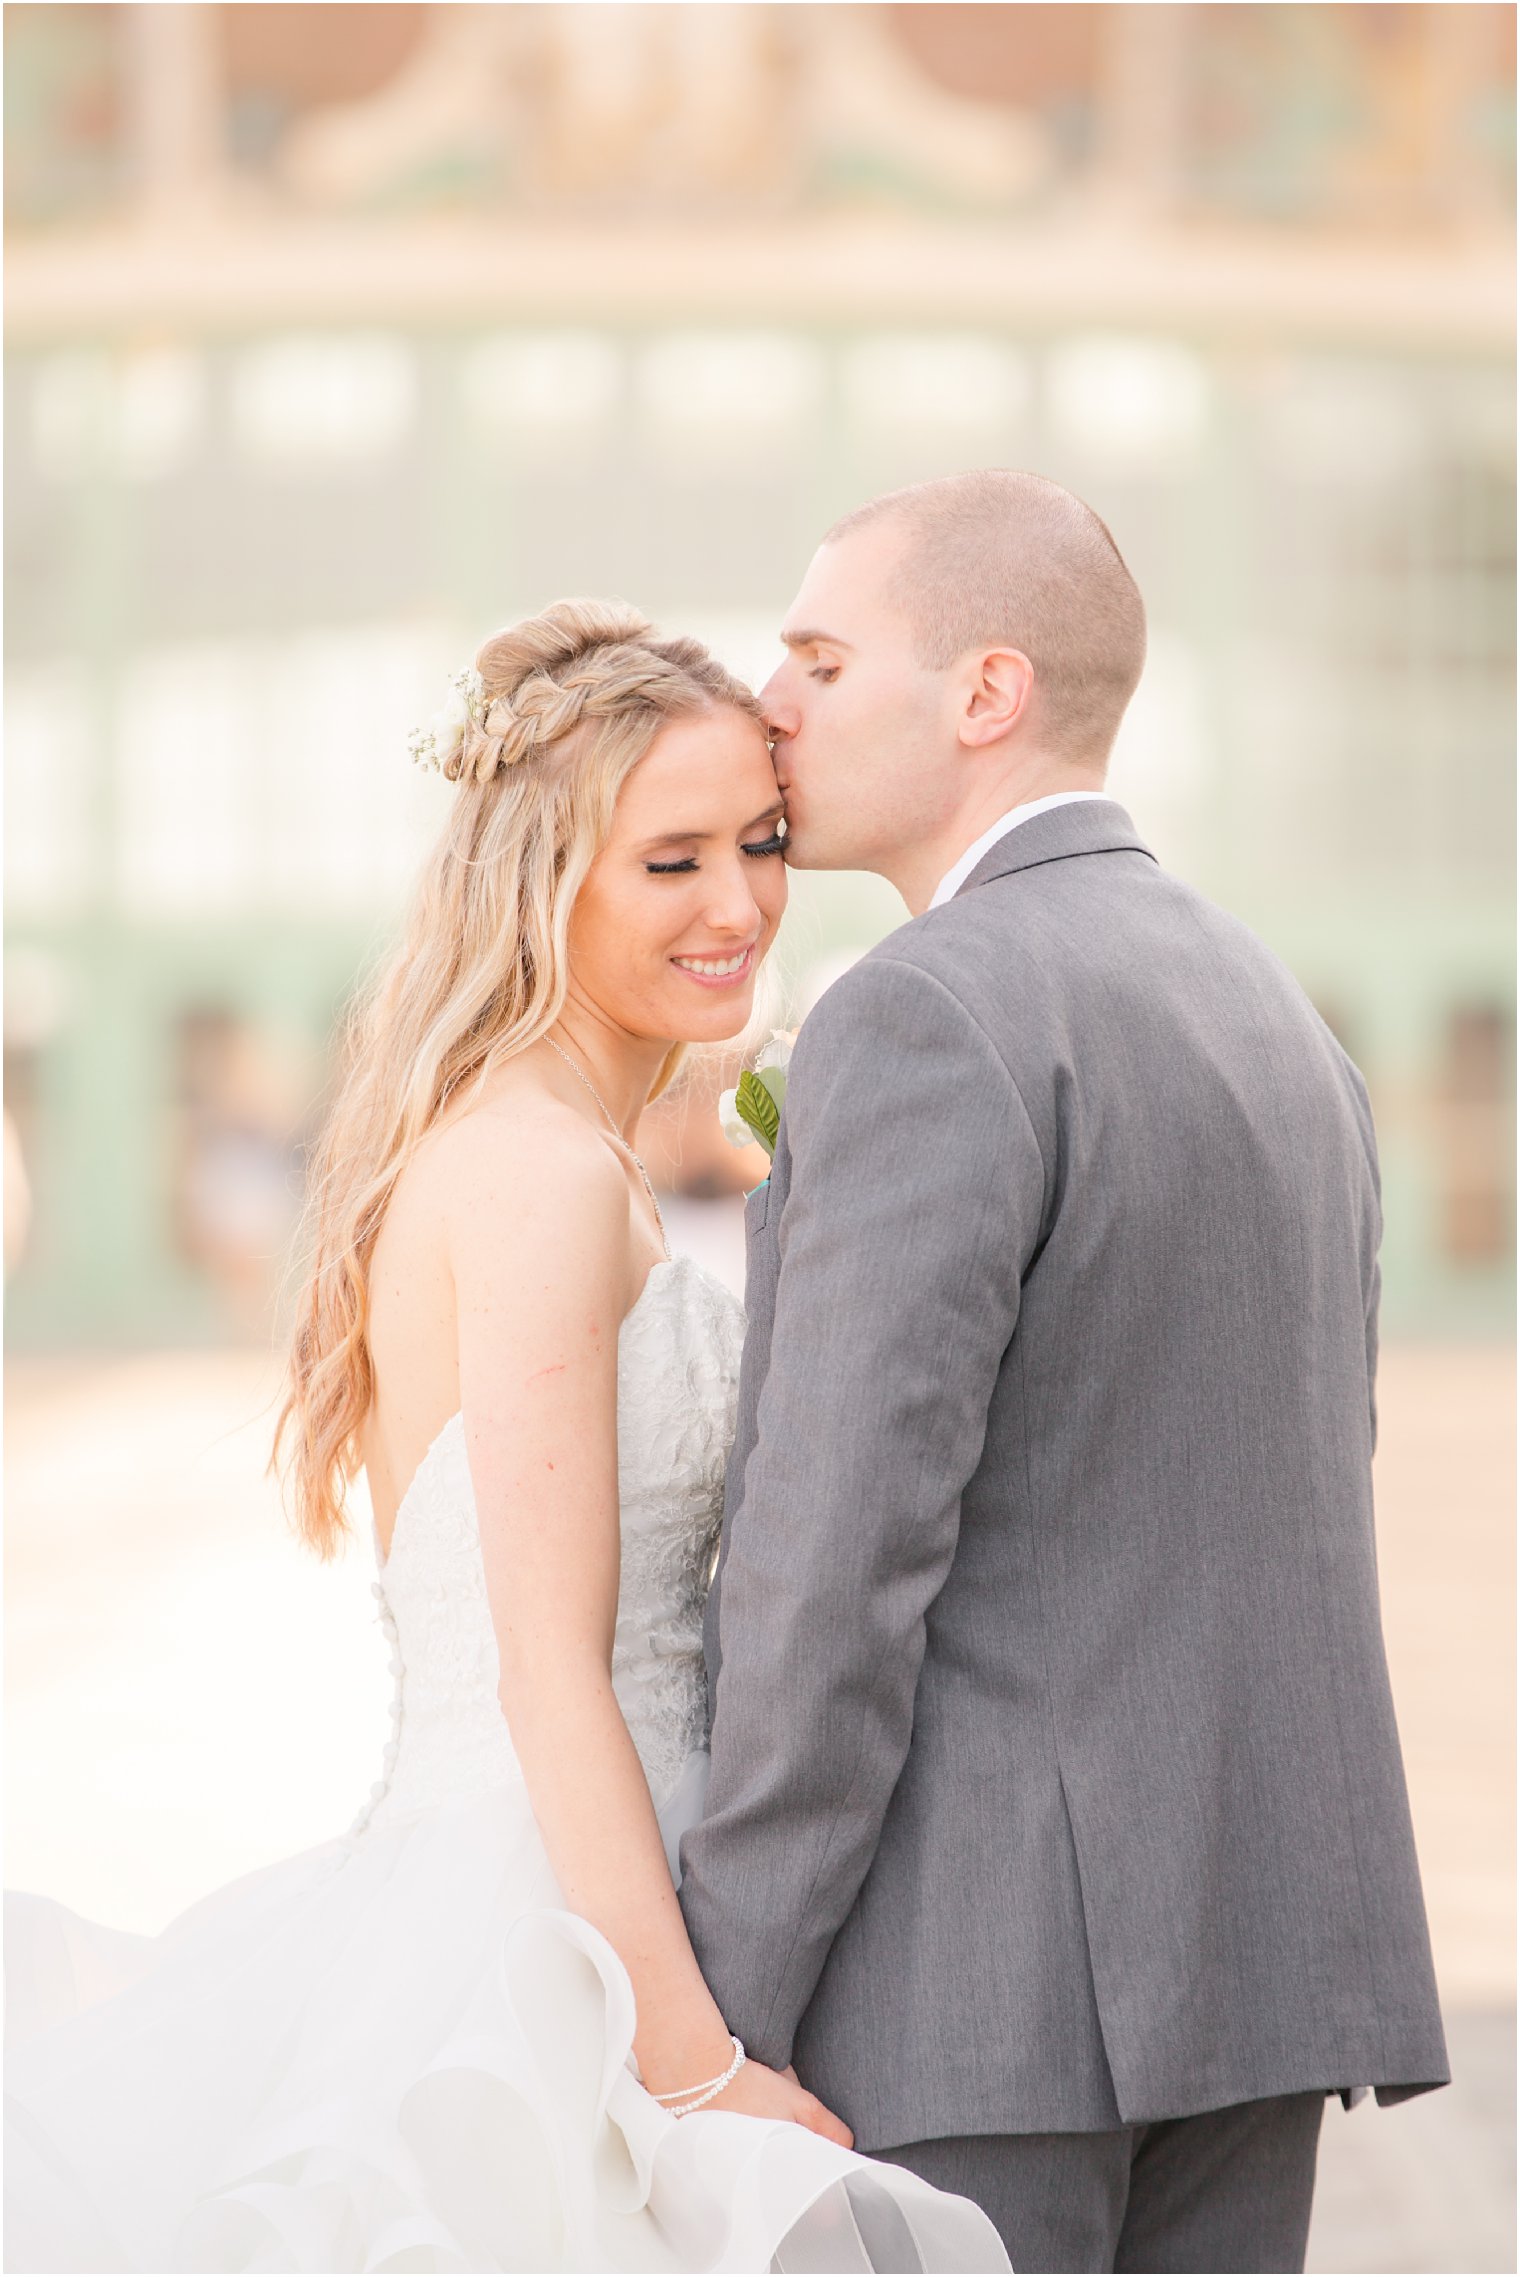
<point>774,1079</point>
<point>757,1108</point>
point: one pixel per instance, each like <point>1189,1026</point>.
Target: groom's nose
<point>777,709</point>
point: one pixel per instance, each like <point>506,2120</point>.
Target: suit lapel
<point>1088,826</point>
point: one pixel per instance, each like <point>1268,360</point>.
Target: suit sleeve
<point>915,1203</point>
<point>1374,1295</point>
<point>1372,1237</point>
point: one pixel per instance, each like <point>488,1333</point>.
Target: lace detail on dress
<point>678,1378</point>
<point>449,1737</point>
<point>678,1367</point>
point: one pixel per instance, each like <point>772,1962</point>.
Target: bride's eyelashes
<point>775,844</point>
<point>824,672</point>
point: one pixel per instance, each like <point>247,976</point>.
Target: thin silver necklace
<point>611,1122</point>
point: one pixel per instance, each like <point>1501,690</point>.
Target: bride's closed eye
<point>775,844</point>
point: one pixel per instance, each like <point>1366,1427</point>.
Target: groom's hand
<point>760,2093</point>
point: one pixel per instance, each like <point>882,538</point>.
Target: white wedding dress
<point>399,2051</point>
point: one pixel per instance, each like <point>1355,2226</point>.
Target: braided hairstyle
<point>580,661</point>
<point>571,701</point>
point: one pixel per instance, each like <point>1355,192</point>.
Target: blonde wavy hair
<point>570,703</point>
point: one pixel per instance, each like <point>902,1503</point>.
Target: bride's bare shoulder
<point>517,1165</point>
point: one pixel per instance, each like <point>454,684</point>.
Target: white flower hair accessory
<point>752,1110</point>
<point>437,744</point>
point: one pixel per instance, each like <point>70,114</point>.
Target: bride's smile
<point>719,971</point>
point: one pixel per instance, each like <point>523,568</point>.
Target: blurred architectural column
<point>176,111</point>
<point>17,1198</point>
<point>1140,110</point>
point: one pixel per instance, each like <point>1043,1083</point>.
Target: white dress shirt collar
<point>955,878</point>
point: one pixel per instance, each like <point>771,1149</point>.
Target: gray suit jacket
<point>1055,1780</point>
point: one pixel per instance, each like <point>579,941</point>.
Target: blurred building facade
<point>340,335</point>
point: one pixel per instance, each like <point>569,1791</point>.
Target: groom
<point>1057,1827</point>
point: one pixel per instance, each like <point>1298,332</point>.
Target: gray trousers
<point>1225,2190</point>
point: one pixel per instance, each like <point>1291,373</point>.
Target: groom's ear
<point>995,691</point>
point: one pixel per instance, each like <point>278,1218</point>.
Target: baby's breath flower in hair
<point>440,741</point>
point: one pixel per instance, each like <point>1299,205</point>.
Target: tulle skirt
<point>399,2052</point>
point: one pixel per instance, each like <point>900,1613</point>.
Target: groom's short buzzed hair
<point>1003,559</point>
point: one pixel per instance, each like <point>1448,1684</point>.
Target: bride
<point>471,2034</point>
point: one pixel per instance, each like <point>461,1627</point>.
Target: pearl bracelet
<point>720,2079</point>
<point>681,2100</point>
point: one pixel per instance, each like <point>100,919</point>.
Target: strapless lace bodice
<point>678,1367</point>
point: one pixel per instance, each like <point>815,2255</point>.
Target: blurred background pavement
<point>338,336</point>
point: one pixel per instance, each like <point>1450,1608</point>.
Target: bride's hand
<point>761,2093</point>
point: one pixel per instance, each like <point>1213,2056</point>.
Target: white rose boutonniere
<point>752,1110</point>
